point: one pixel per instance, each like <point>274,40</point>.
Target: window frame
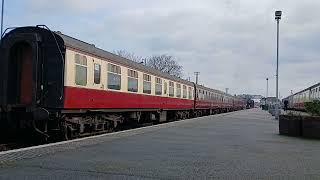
<point>189,93</point>
<point>178,90</point>
<point>133,75</point>
<point>94,73</point>
<point>115,71</point>
<point>171,88</point>
<point>83,65</point>
<point>158,82</point>
<point>184,91</point>
<point>147,79</point>
<point>165,84</point>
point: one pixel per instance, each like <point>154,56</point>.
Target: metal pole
<point>277,74</point>
<point>197,74</point>
<point>267,88</point>
<point>2,18</point>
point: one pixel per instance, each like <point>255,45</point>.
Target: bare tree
<point>165,63</point>
<point>129,55</point>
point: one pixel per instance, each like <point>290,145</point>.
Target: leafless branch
<point>129,55</point>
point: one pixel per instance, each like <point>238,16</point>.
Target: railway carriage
<point>212,101</point>
<point>297,100</point>
<point>57,84</point>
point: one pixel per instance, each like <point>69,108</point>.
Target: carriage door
<point>22,71</point>
<point>26,74</point>
<point>18,71</point>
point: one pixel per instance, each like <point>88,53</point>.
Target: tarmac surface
<point>237,145</point>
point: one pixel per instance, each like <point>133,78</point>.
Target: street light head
<point>278,15</point>
<point>267,79</point>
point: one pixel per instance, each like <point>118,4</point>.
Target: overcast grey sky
<point>231,42</point>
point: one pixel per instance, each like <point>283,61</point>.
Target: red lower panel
<point>204,104</point>
<point>213,104</point>
<point>298,106</point>
<point>88,98</point>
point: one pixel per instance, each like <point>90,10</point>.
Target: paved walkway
<point>237,145</point>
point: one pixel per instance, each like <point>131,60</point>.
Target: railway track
<point>17,145</point>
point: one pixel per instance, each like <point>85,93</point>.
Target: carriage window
<point>97,73</point>
<point>81,70</point>
<point>165,87</point>
<point>184,91</point>
<point>178,92</point>
<point>201,95</point>
<point>114,77</point>
<point>171,88</point>
<point>158,86</point>
<point>190,93</point>
<point>132,80</point>
<point>146,84</point>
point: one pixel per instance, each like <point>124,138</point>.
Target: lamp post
<point>277,18</point>
<point>267,88</point>
<point>2,5</point>
<point>197,74</point>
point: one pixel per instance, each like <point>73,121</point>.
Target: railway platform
<point>236,145</point>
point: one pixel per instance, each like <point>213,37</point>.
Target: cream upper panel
<point>70,75</point>
<point>315,93</point>
<point>70,71</point>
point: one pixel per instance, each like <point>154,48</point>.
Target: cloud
<point>232,43</point>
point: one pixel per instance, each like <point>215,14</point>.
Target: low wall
<point>299,126</point>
